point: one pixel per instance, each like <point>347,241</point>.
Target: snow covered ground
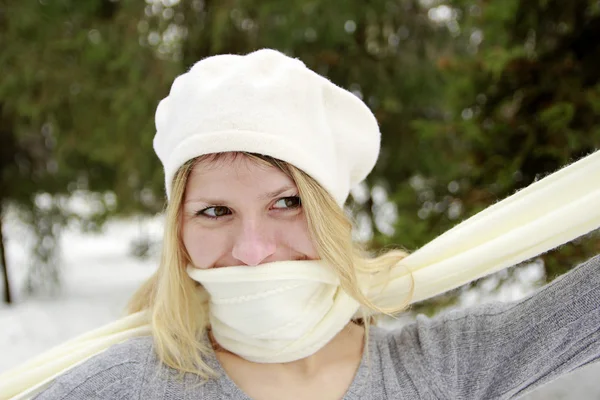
<point>100,274</point>
<point>99,277</point>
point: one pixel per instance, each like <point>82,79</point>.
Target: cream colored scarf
<point>548,213</point>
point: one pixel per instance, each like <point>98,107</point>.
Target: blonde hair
<point>179,306</point>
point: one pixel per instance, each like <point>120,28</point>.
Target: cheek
<point>203,245</point>
<point>297,237</point>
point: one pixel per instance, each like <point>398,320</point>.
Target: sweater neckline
<point>231,390</point>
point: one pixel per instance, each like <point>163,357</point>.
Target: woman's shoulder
<point>460,353</point>
<point>116,373</point>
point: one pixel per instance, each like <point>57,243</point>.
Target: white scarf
<point>553,211</point>
<point>276,312</point>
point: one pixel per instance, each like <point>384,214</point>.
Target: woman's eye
<point>288,202</point>
<point>214,212</point>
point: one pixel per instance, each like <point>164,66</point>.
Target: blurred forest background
<point>475,99</point>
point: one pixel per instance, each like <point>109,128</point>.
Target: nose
<point>254,244</point>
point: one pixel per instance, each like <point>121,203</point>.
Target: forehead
<point>231,170</point>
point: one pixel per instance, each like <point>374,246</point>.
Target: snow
<point>100,274</point>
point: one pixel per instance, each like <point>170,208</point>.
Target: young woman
<point>261,293</point>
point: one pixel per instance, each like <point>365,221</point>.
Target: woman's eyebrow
<point>215,200</point>
<point>197,199</point>
<point>275,193</point>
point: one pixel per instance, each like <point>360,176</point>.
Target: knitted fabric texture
<point>497,351</point>
<point>276,312</point>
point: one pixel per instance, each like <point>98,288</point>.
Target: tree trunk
<point>4,266</point>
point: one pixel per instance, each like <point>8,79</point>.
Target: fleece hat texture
<point>267,103</point>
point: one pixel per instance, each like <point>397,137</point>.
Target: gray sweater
<point>493,351</point>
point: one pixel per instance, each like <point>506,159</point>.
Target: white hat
<point>267,103</point>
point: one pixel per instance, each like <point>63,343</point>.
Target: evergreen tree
<point>475,99</point>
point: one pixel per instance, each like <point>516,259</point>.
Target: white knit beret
<point>267,103</point>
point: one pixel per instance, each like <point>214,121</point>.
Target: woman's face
<point>239,212</point>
